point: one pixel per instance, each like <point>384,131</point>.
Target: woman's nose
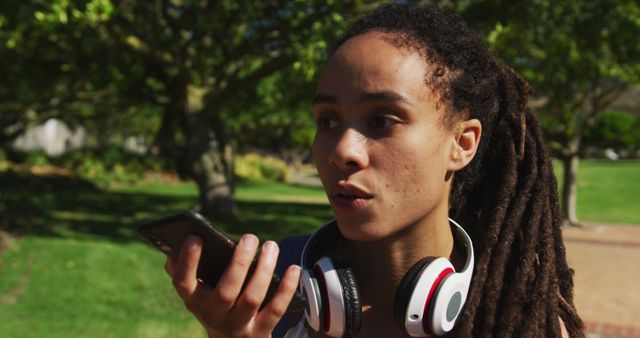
<point>350,151</point>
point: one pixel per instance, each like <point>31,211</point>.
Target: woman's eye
<point>382,122</point>
<point>327,122</point>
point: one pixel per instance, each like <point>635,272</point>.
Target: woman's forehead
<point>375,45</point>
<point>372,63</point>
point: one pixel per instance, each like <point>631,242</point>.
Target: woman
<point>416,123</point>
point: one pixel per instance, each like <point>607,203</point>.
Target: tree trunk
<point>215,192</point>
<point>569,189</point>
<point>569,185</point>
<point>201,157</point>
<point>208,167</point>
<point>209,159</point>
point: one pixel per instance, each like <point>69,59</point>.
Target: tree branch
<point>235,85</point>
<point>137,45</point>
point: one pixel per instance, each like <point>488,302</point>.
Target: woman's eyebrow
<point>323,98</point>
<point>385,95</point>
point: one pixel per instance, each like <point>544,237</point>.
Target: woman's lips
<point>344,201</point>
<point>349,196</point>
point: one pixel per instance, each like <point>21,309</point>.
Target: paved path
<point>606,260</point>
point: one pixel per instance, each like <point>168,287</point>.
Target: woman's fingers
<point>253,294</point>
<point>273,312</point>
<point>232,306</point>
<point>169,266</point>
<point>184,273</point>
<point>230,284</point>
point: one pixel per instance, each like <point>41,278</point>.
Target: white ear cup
<point>431,304</point>
<point>334,312</point>
<point>417,317</point>
<point>310,289</point>
<point>450,296</point>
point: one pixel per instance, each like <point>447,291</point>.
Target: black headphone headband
<point>318,242</point>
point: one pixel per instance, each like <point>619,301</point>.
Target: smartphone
<point>167,234</point>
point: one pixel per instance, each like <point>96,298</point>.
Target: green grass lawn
<point>61,287</point>
<point>608,191</point>
<point>76,267</point>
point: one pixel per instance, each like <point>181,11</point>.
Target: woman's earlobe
<point>467,139</point>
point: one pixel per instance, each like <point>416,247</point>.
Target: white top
<point>298,331</point>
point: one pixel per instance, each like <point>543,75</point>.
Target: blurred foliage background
<point>194,83</point>
<point>116,111</point>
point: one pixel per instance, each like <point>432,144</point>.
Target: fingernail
<point>269,247</point>
<point>191,241</point>
<point>294,271</point>
<point>249,241</point>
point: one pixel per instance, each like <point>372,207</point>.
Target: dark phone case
<point>168,234</point>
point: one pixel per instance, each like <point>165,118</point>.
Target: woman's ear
<point>466,141</point>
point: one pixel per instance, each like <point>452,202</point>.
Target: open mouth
<point>345,201</point>
<point>350,197</point>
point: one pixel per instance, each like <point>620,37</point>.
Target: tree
<point>33,84</point>
<point>207,66</point>
<point>580,56</point>
<point>197,59</point>
<point>45,47</point>
<point>617,130</point>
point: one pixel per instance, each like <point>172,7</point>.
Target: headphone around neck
<point>428,300</point>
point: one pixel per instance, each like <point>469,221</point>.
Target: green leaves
<point>616,130</point>
<point>65,11</point>
<point>579,56</point>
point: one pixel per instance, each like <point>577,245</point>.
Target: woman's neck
<point>380,266</point>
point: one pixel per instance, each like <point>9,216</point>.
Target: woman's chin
<point>363,231</point>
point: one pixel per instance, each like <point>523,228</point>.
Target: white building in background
<point>53,138</point>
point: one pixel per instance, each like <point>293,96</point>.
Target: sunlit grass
<point>608,191</point>
<point>76,267</point>
<point>58,287</point>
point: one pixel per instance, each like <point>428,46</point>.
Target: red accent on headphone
<point>425,313</point>
<point>326,309</point>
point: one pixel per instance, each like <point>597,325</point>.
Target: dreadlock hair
<point>506,197</point>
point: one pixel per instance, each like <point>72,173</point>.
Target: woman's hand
<point>227,310</point>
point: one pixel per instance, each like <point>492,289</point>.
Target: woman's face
<point>381,147</point>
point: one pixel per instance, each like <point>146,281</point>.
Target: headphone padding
<point>405,290</point>
<point>352,304</point>
<point>310,289</point>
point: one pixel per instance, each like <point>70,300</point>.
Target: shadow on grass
<point>60,206</point>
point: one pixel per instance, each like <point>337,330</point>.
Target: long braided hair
<point>506,197</point>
